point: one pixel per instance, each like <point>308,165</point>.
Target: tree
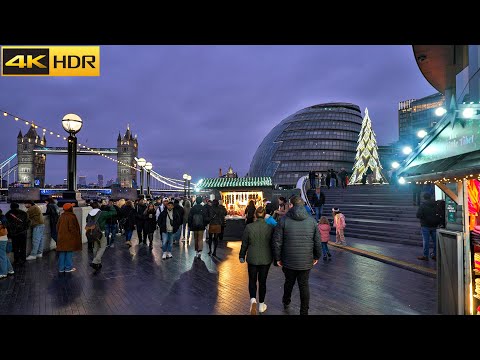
<point>367,155</point>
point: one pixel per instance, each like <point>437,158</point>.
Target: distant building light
<point>407,150</point>
<point>440,111</point>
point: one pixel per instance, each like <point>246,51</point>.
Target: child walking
<point>339,223</point>
<point>324,228</point>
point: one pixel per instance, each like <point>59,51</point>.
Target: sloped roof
<point>243,182</point>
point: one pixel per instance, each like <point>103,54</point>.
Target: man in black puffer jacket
<point>429,221</point>
<point>297,248</point>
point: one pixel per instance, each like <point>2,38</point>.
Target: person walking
<point>53,213</point>
<point>169,222</point>
<point>328,178</point>
<point>111,226</point>
<point>95,231</point>
<point>5,264</point>
<point>150,223</point>
<point>429,221</point>
<point>318,202</point>
<point>282,208</point>
<point>257,246</point>
<point>217,217</point>
<point>69,238</point>
<point>340,224</point>
<point>417,192</point>
<point>181,213</point>
<point>342,175</point>
<point>296,248</point>
<point>38,228</point>
<point>17,226</point>
<point>324,228</point>
<point>333,178</point>
<point>187,206</point>
<point>197,221</point>
<point>128,213</point>
<point>250,212</point>
<point>311,177</point>
<point>224,214</point>
<point>140,221</point>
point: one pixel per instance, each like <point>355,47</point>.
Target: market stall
<point>236,194</point>
<point>449,157</point>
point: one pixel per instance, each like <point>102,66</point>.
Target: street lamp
<point>395,165</point>
<point>407,150</point>
<point>148,167</point>
<point>72,124</point>
<point>188,184</point>
<point>141,163</point>
<point>185,177</point>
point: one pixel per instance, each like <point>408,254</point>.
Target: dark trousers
<point>53,232</point>
<point>220,236</point>
<point>312,183</point>
<point>150,238</point>
<point>327,182</point>
<point>213,238</point>
<point>344,183</point>
<point>19,247</point>
<point>142,234</point>
<point>301,276</point>
<point>260,273</point>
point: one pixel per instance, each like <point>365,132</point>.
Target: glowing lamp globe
<point>72,123</point>
<point>185,176</point>
<point>148,166</point>
<point>421,134</point>
<point>401,181</point>
<point>141,162</point>
<point>440,111</point>
<point>395,165</point>
<point>407,150</point>
<point>189,178</point>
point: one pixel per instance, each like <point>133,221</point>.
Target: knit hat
<point>67,206</point>
<point>335,209</point>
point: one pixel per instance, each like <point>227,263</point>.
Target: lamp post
<point>141,162</point>
<point>72,124</point>
<point>185,177</point>
<point>188,184</point>
<point>148,167</point>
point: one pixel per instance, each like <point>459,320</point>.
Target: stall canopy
<point>450,152</point>
<point>235,183</point>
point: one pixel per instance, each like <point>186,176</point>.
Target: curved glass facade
<point>318,138</point>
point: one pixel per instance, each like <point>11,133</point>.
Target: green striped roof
<point>243,182</point>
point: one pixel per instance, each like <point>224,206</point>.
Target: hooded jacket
<point>427,213</point>
<point>296,240</point>
<point>69,235</point>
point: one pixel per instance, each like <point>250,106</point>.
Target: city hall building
<point>316,138</point>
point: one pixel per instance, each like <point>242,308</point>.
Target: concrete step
<point>386,229</point>
<point>378,216</point>
<point>364,233</point>
<point>389,239</point>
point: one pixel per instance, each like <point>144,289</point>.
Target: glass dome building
<point>316,138</point>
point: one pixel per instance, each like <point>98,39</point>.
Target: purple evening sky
<point>198,108</point>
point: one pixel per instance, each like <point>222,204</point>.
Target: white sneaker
<point>31,257</point>
<point>169,255</point>
<point>39,255</point>
<point>3,276</point>
<point>262,307</point>
<point>253,306</point>
<point>11,272</point>
<point>164,256</point>
<point>112,246</point>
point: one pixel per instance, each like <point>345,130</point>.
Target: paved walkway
<point>138,281</point>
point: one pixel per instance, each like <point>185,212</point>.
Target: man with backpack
<point>197,221</point>
<point>17,226</point>
<point>430,219</point>
<point>95,230</point>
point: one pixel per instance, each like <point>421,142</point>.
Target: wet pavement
<point>138,281</point>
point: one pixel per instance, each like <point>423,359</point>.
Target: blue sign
<point>37,182</point>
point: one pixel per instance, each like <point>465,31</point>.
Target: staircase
<point>376,212</point>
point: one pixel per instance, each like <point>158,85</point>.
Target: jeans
<point>37,239</point>
<point>99,247</point>
<point>318,212</point>
<point>65,260</point>
<point>176,236</point>
<point>184,226</point>
<point>167,240</point>
<point>5,264</point>
<point>333,183</point>
<point>301,276</point>
<point>111,229</point>
<point>19,247</point>
<point>259,272</point>
<point>428,232</point>
<point>325,249</point>
<point>128,234</point>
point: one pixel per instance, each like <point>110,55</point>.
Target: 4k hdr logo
<point>50,61</point>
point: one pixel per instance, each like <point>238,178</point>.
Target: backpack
<point>17,225</point>
<point>92,229</point>
<point>197,221</point>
